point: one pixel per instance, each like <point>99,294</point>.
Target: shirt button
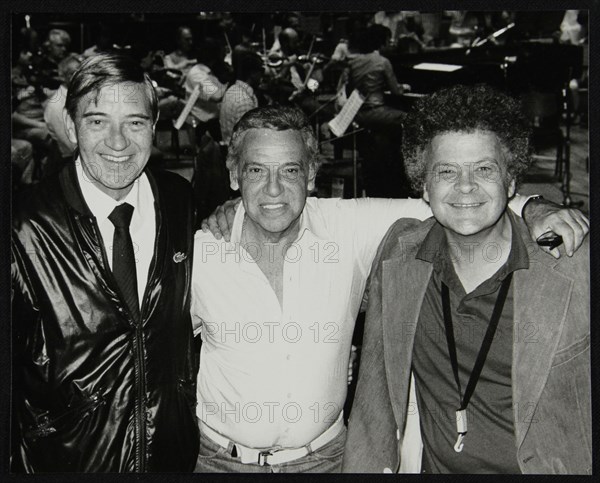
<point>288,357</point>
<point>289,395</point>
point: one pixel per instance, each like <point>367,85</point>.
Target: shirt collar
<point>100,204</point>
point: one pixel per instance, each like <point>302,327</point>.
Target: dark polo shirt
<point>489,446</point>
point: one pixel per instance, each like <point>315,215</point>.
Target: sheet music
<point>437,67</point>
<point>188,107</point>
<point>340,123</point>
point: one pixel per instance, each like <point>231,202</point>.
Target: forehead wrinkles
<point>273,147</point>
<point>471,146</point>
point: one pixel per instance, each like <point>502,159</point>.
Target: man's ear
<point>312,175</point>
<point>512,188</point>
<point>233,179</point>
<point>69,126</point>
<point>425,192</point>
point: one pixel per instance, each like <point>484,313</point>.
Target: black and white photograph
<point>299,240</point>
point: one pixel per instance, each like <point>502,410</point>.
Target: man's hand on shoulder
<point>220,221</point>
<point>572,225</point>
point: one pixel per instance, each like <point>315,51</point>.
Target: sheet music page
<point>188,107</point>
<point>340,123</point>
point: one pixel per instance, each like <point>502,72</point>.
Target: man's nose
<point>116,139</point>
<point>465,181</point>
<point>273,187</point>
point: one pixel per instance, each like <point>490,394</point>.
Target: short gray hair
<point>277,118</point>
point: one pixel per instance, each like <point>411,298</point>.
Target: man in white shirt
<point>182,58</point>
<point>103,376</point>
<point>276,305</point>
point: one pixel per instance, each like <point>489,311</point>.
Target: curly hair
<point>277,118</point>
<point>466,109</point>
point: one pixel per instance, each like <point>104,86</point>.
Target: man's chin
<point>465,230</point>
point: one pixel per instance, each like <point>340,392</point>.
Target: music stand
<point>339,124</point>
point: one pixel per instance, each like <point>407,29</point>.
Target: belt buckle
<point>262,456</point>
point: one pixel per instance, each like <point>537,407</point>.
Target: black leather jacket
<point>94,389</point>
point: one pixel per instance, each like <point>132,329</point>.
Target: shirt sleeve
<point>390,78</point>
<point>374,216</point>
<point>518,203</point>
<point>196,306</point>
<point>211,89</point>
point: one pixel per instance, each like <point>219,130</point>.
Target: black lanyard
<point>461,415</point>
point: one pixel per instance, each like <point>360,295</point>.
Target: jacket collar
<point>71,189</point>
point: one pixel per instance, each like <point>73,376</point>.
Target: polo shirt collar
<point>435,250</point>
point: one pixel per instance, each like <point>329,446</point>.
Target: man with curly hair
<point>476,341</point>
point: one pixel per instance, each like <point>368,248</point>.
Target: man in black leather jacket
<point>103,378</point>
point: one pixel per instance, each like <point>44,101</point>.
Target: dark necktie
<point>123,265</point>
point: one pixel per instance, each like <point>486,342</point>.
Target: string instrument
<point>278,67</point>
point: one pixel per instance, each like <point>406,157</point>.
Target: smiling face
<point>274,179</point>
<point>466,183</point>
<point>113,131</point>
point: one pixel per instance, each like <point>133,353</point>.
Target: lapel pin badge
<point>179,257</point>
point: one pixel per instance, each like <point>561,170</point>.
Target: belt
<point>273,456</point>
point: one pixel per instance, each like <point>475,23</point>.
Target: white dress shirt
<point>277,375</point>
<point>143,221</point>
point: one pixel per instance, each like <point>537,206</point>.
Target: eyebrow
<point>483,160</point>
<point>103,114</point>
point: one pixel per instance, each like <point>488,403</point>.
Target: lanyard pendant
<point>461,429</point>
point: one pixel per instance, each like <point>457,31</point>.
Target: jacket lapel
<point>404,282</point>
<point>541,298</point>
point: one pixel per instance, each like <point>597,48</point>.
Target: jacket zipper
<point>138,363</point>
<point>140,406</point>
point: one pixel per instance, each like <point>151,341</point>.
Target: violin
<point>318,59</point>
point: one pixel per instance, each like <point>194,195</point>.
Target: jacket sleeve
<point>23,315</point>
